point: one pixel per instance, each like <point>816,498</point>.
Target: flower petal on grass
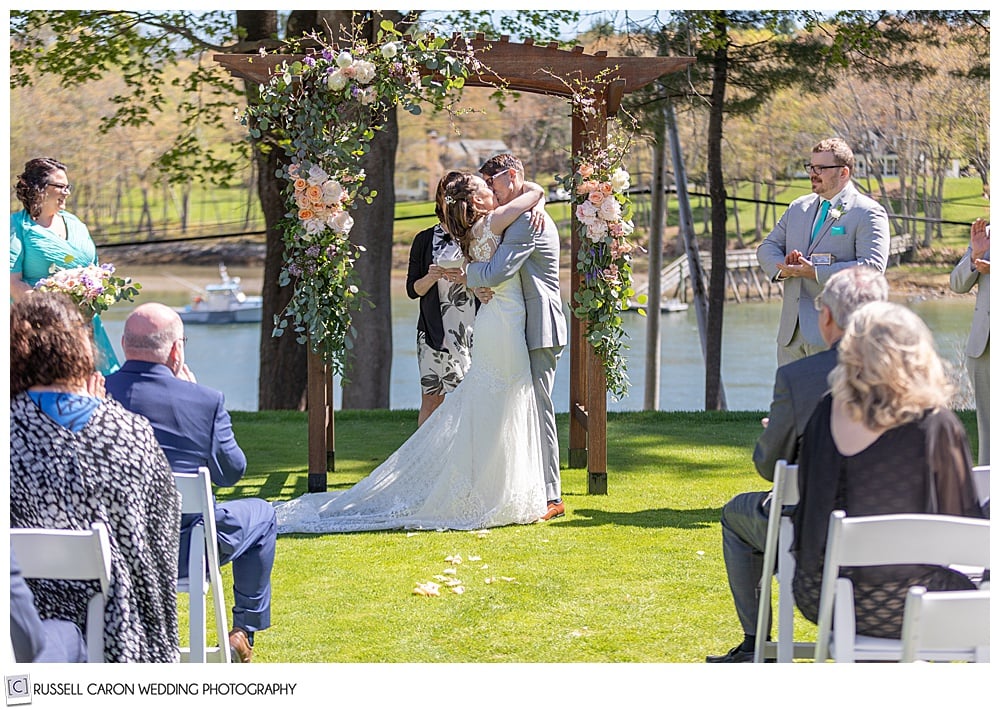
<point>427,589</point>
<point>450,570</point>
<point>458,590</point>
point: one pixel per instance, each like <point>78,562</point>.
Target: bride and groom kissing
<point>489,455</point>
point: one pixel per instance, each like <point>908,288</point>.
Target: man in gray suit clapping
<point>833,228</point>
<point>532,256</point>
<point>973,269</point>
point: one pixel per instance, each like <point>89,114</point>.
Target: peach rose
<point>314,193</point>
<point>300,184</point>
<point>596,197</point>
<point>586,170</point>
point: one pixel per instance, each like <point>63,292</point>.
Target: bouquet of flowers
<point>92,288</point>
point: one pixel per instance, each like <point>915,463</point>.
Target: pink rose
<point>596,197</point>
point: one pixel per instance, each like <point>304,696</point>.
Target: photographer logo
<point>18,689</point>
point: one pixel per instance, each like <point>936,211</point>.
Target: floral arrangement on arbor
<point>94,289</point>
<point>599,187</point>
<point>324,111</point>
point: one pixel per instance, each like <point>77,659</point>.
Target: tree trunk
<point>714,398</point>
<point>369,363</point>
<point>282,379</point>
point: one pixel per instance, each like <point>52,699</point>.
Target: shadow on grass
<point>651,518</point>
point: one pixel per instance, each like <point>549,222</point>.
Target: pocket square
<point>838,231</point>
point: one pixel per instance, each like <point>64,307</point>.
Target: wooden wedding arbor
<point>536,69</point>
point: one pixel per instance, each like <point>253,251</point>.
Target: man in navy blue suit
<point>193,428</point>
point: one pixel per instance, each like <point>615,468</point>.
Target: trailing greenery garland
<point>324,111</point>
<point>599,189</point>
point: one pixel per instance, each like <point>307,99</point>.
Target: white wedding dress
<point>474,463</point>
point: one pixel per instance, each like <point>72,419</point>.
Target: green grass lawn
<point>633,576</point>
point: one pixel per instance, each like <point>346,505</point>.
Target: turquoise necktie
<point>824,208</point>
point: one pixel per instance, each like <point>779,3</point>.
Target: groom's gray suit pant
<point>543,377</point>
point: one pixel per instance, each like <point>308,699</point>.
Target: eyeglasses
<point>817,169</point>
<point>64,189</point>
<point>489,180</point>
<point>183,339</point>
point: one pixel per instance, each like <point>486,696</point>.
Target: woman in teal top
<point>44,233</point>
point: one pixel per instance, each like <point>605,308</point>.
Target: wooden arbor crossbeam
<point>530,68</point>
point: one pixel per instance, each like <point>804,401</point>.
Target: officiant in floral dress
<point>447,310</point>
<point>44,234</point>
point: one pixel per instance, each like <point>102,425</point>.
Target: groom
<point>533,257</point>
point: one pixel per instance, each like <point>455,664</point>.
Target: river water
<point>226,357</point>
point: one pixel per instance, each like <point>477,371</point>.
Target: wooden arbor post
<point>535,69</point>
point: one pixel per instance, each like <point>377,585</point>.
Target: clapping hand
<point>980,243</point>
<point>796,266</point>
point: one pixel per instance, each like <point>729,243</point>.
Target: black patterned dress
<point>923,466</point>
<point>112,471</point>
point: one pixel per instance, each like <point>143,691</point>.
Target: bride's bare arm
<point>504,215</point>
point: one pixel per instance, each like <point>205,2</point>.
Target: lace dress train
<point>476,461</point>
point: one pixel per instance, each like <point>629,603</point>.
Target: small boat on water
<point>222,303</point>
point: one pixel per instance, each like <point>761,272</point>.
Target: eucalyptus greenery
<point>324,109</point>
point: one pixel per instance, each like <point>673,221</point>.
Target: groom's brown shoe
<point>556,510</point>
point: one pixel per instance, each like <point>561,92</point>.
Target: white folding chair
<point>45,553</point>
<point>777,547</point>
<point>904,539</point>
<point>203,572</point>
<point>981,480</point>
<point>952,624</point>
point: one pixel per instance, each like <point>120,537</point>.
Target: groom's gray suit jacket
<point>535,259</point>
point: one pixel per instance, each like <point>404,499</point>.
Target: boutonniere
<point>837,212</point>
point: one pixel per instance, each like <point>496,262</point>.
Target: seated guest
<point>194,429</point>
<point>798,386</point>
<point>37,640</point>
<point>77,458</point>
<point>884,441</point>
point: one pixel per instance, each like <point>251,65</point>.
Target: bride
<point>476,461</point>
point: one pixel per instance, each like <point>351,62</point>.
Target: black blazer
<point>421,255</point>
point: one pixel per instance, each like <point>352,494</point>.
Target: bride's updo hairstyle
<point>460,213</point>
<point>888,372</point>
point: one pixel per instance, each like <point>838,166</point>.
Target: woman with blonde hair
<point>882,441</point>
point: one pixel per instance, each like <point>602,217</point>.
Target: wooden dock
<point>745,280</point>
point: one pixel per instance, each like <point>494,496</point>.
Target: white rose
<point>389,50</point>
<point>332,191</point>
<point>336,81</point>
<point>597,231</point>
<point>365,71</point>
<point>620,180</point>
<point>341,222</point>
<point>317,175</point>
<point>344,59</point>
<point>610,210</point>
<point>313,226</point>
